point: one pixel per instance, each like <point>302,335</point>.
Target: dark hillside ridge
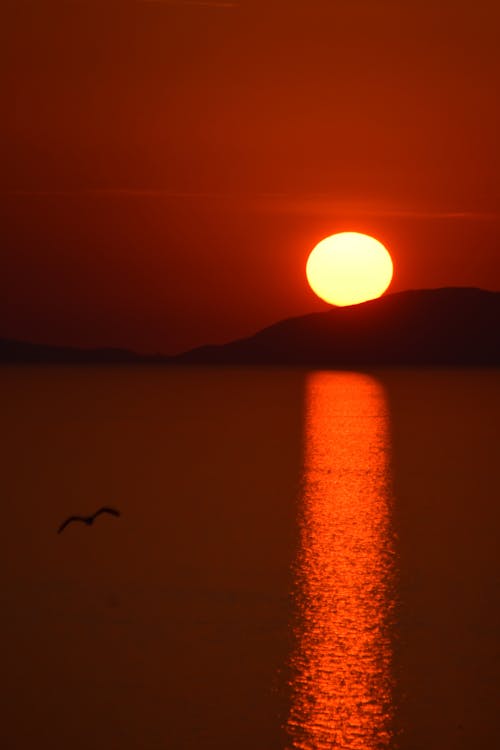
<point>12,351</point>
<point>458,326</point>
<point>451,326</point>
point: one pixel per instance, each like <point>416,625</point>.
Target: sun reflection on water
<point>341,680</point>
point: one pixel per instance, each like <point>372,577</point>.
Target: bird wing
<point>68,521</point>
<point>104,509</point>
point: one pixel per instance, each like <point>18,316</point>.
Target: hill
<point>450,326</point>
<point>12,351</point>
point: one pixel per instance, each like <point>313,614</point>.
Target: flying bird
<point>89,520</point>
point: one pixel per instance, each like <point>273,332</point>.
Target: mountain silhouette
<point>448,327</point>
<point>12,351</point>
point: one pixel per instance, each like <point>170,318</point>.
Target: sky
<point>168,165</point>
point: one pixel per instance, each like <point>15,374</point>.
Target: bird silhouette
<point>89,520</point>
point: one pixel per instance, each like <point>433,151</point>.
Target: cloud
<point>193,3</point>
<point>312,205</point>
<point>320,205</point>
<point>116,192</point>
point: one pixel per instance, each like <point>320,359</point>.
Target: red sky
<point>168,166</point>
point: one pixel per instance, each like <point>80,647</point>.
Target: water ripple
<point>344,572</point>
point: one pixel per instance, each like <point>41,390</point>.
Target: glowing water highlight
<point>344,577</point>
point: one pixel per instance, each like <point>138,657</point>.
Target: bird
<point>89,520</point>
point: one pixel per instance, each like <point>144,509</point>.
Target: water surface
<point>344,569</point>
<point>304,560</point>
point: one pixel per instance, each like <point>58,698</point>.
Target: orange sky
<point>167,166</point>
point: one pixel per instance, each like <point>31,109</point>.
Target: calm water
<point>305,559</point>
<point>345,570</point>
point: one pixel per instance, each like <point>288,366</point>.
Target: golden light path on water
<point>341,680</point>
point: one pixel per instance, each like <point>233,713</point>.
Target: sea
<point>305,559</point>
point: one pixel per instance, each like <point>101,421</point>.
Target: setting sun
<point>349,268</point>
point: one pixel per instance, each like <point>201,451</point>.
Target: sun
<point>349,268</point>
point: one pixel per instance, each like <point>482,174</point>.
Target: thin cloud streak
<point>321,205</point>
<point>112,192</point>
<point>270,202</point>
<point>191,3</point>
